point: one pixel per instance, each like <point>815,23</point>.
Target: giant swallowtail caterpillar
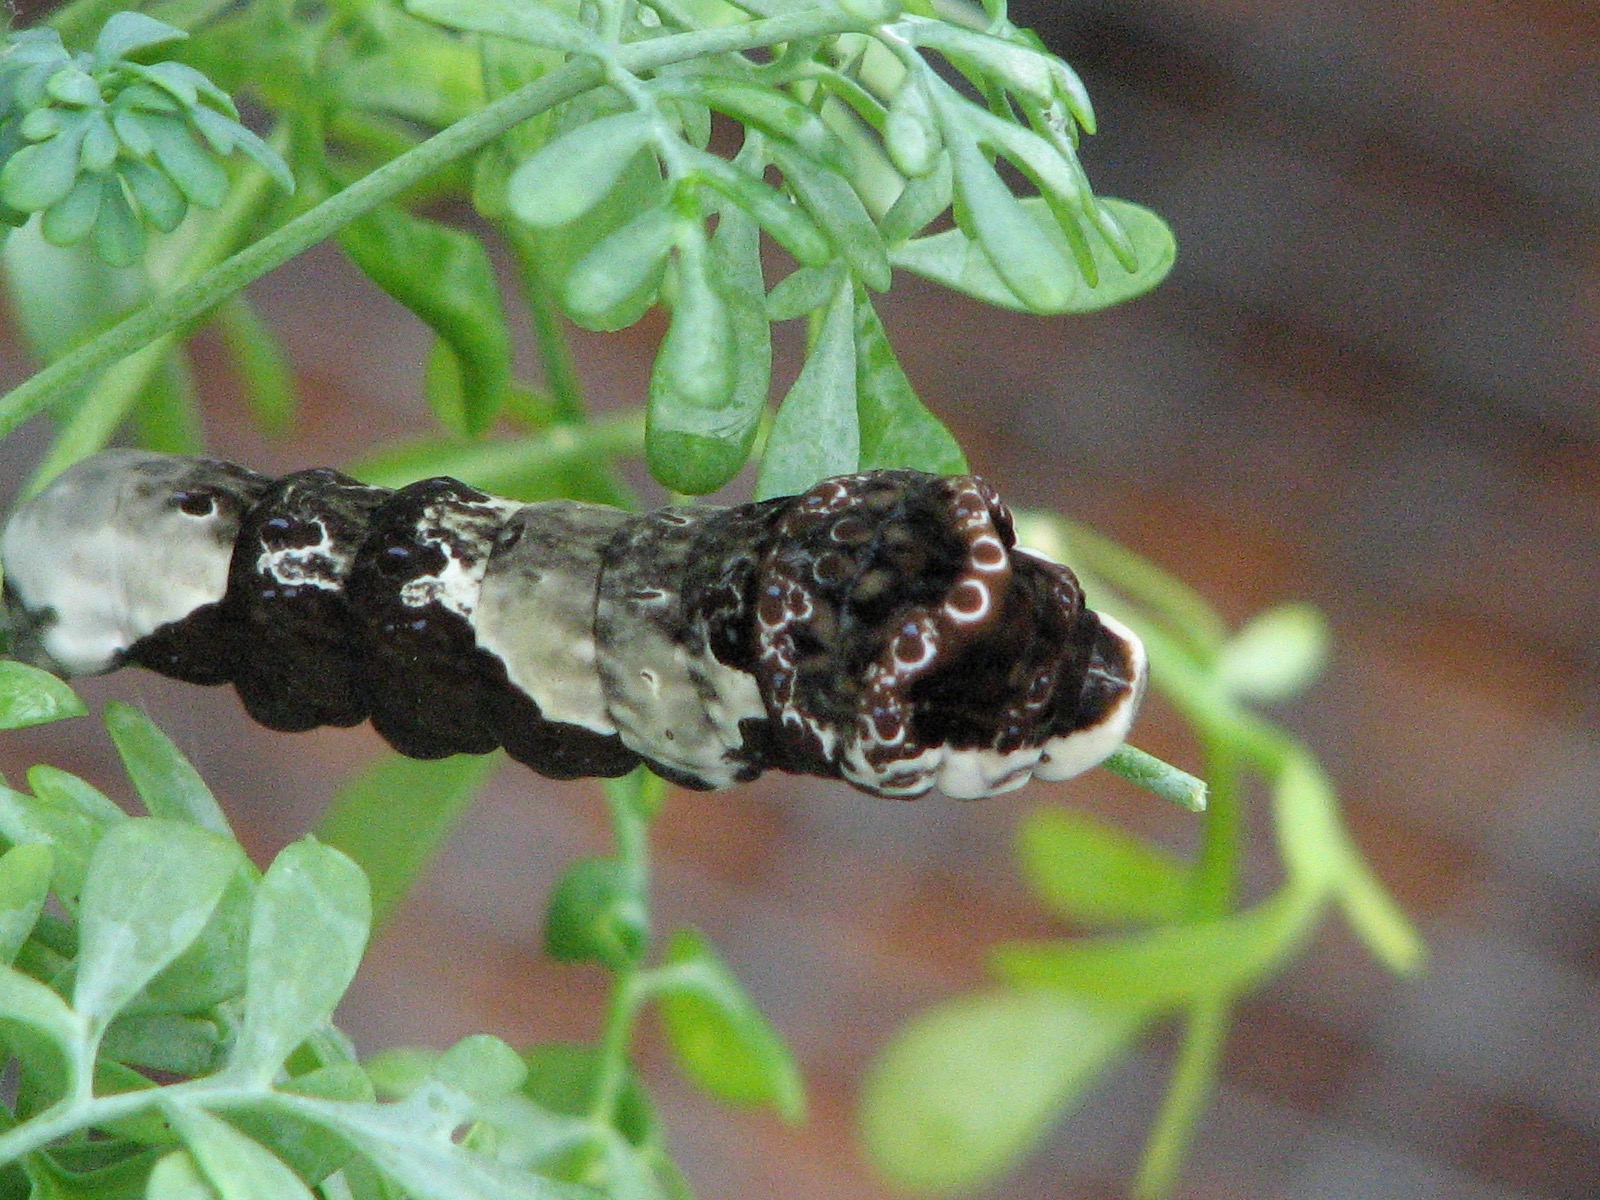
<point>882,628</point>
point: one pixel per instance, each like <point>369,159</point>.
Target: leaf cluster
<point>106,147</point>
<point>171,1030</point>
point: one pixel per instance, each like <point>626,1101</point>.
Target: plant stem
<point>173,311</point>
<point>1190,1090</point>
<point>561,374</point>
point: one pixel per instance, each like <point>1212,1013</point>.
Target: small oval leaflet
<point>882,627</point>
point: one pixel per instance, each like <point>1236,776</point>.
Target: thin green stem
<point>1193,1080</point>
<point>560,371</point>
<point>201,295</point>
<point>622,1013</point>
<point>1216,875</point>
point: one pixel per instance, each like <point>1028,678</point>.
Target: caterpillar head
<point>115,548</point>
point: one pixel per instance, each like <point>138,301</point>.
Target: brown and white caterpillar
<point>883,628</point>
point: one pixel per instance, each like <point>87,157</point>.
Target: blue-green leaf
<point>695,447</point>
<point>834,205</point>
<point>573,173</point>
<point>165,780</point>
<point>151,888</point>
<point>956,261</point>
<point>817,432</point>
<point>237,1166</point>
<point>126,33</point>
<point>308,930</point>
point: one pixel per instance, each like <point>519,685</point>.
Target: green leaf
<point>596,914</point>
<point>834,205</point>
<point>967,1087</point>
<point>29,696</point>
<point>817,432</point>
<point>171,1042</point>
<point>1311,837</point>
<point>563,1077</point>
<point>1022,252</point>
<point>152,887</point>
<point>954,260</point>
<point>718,1035</point>
<point>696,448</point>
<point>506,18</point>
<point>40,175</point>
<point>190,166</point>
<point>238,1167</point>
<point>177,1177</point>
<point>1276,655</point>
<point>165,780</point>
<point>1085,870</point>
<point>570,175</point>
<point>444,276</point>
<point>897,430</point>
<point>27,1002</point>
<point>1378,920</point>
<point>1170,966</point>
<point>25,873</point>
<point>126,33</point>
<point>263,366</point>
<point>613,285</point>
<point>392,818</point>
<point>308,930</point>
<point>167,414</point>
<point>49,821</point>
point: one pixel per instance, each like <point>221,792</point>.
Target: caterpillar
<point>883,627</point>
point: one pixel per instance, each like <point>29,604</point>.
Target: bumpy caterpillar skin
<point>882,628</point>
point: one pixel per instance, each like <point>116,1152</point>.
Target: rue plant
<point>165,1005</point>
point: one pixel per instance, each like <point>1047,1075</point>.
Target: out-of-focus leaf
<point>165,780</point>
<point>444,276</point>
<point>391,818</point>
<point>968,1086</point>
<point>719,1036</point>
<point>29,696</point>
<point>1085,870</point>
<point>1277,655</point>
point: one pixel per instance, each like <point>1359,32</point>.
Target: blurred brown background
<point>1370,382</point>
